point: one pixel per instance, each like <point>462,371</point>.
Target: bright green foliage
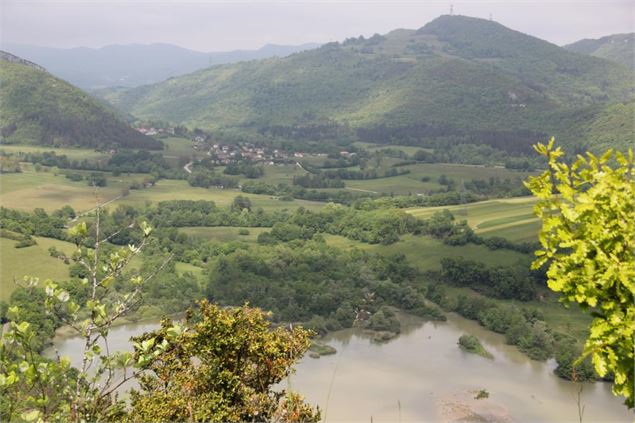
<point>588,240</point>
<point>33,388</point>
<point>220,366</point>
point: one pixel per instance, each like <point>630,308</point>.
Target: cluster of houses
<point>150,131</point>
<point>223,154</point>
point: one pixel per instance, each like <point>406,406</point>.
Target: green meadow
<point>71,153</point>
<point>30,189</point>
<point>411,183</point>
<point>172,189</point>
<point>426,253</point>
<point>511,218</point>
<point>15,263</point>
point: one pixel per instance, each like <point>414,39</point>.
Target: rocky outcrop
<point>8,57</point>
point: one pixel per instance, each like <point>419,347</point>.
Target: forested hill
<point>38,108</point>
<point>131,65</point>
<point>619,48</point>
<point>455,78</point>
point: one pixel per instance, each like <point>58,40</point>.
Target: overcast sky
<point>209,25</point>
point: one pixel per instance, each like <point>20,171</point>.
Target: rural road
<point>362,190</point>
<point>187,167</point>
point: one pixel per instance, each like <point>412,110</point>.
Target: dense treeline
<point>310,282</point>
<point>509,282</point>
<point>433,136</point>
<point>497,187</point>
<point>180,213</point>
<point>286,192</point>
<point>363,174</point>
<point>37,223</point>
<point>208,178</point>
<point>244,168</point>
<point>122,161</point>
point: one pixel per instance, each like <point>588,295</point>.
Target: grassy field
<point>170,189</point>
<point>411,183</point>
<point>510,218</point>
<point>177,149</point>
<point>32,261</point>
<point>71,153</point>
<point>31,189</point>
<point>426,252</point>
<point>182,268</point>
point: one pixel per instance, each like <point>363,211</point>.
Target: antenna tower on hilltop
<point>451,9</point>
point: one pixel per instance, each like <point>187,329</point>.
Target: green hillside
<point>619,48</point>
<point>38,108</point>
<point>456,78</point>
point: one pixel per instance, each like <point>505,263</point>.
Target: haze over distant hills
<point>132,65</point>
<point>618,48</point>
<point>456,78</point>
<point>38,108</point>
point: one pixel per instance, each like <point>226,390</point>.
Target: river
<point>422,375</point>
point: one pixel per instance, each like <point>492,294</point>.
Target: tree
<point>220,366</point>
<point>241,203</point>
<point>240,357</point>
<point>34,388</point>
<point>588,243</point>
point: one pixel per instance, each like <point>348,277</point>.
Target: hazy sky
<point>210,25</point>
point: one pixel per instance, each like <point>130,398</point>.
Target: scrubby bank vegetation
<point>523,327</point>
<point>471,344</point>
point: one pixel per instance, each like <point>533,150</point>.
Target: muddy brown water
<point>422,375</point>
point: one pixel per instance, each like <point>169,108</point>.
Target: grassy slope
<point>32,261</point>
<point>411,183</point>
<point>31,189</point>
<point>457,72</point>
<point>169,189</point>
<point>38,108</point>
<point>619,48</point>
<point>510,218</point>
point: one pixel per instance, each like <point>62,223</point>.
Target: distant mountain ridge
<point>457,78</point>
<point>38,108</point>
<point>619,48</point>
<point>132,65</point>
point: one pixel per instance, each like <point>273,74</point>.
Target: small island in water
<point>471,344</point>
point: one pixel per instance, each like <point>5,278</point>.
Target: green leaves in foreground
<point>588,239</point>
<point>221,365</point>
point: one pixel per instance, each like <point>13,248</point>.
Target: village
<point>223,154</point>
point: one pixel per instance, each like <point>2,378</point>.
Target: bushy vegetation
<point>589,249</point>
<point>324,287</point>
<point>470,343</point>
<point>512,282</point>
